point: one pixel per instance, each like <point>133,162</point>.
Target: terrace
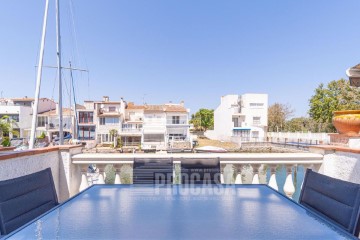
<point>282,171</point>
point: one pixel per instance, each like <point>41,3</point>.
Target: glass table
<point>179,212</point>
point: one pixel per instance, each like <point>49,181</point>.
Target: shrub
<point>6,142</point>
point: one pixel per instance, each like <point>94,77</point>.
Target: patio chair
<point>334,199</point>
<point>153,171</point>
<point>200,171</point>
<point>24,198</point>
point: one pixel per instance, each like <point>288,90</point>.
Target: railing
<point>131,144</point>
<point>283,171</point>
<point>170,121</point>
<point>131,130</point>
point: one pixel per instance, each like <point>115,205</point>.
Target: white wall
<point>66,175</point>
<point>229,109</point>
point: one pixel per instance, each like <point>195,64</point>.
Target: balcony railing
<point>131,130</point>
<point>235,168</point>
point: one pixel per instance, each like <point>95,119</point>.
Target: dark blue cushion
<point>25,198</point>
<point>200,171</point>
<point>335,199</point>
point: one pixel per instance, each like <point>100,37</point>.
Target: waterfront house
<point>240,118</point>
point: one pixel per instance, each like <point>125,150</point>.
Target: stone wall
<point>340,162</point>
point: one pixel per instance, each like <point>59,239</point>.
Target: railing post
<point>255,179</point>
<point>117,173</point>
<point>272,181</point>
<point>289,188</point>
<point>101,178</point>
<point>238,169</point>
<point>84,183</point>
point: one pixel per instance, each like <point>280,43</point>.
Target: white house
<point>20,111</point>
<point>240,118</point>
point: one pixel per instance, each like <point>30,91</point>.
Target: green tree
<point>303,124</point>
<point>113,133</point>
<point>6,126</point>
<point>337,95</point>
<point>277,115</point>
<point>203,119</point>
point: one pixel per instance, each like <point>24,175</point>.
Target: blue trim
<point>241,128</point>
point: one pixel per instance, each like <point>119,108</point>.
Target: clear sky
<point>173,50</point>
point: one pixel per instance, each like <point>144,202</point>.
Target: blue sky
<point>172,50</point>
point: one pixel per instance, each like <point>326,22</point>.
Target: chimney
<point>105,98</point>
<point>182,103</point>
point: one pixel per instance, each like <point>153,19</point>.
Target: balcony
<point>282,171</point>
<point>179,121</point>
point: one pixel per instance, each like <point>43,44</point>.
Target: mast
<point>76,119</point>
<point>38,79</point>
<point>58,49</point>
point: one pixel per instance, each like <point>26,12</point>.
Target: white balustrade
<point>289,188</point>
<point>238,179</point>
<point>264,166</point>
<point>255,179</point>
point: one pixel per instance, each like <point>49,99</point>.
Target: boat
<point>210,149</point>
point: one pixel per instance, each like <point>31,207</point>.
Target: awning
<point>241,128</point>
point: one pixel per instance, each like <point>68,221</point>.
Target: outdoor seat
<point>153,171</point>
<point>24,198</point>
<point>334,199</point>
<point>200,171</point>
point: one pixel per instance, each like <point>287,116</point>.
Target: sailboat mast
<point>58,49</point>
<point>76,129</point>
<point>38,79</point>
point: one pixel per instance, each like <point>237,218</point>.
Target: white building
<point>240,118</point>
<point>20,111</point>
<point>158,127</point>
<point>150,127</point>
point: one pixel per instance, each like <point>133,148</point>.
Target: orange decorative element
<point>347,122</point>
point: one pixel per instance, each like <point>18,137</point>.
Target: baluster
<point>289,188</point>
<point>255,179</point>
<point>117,173</point>
<point>84,182</point>
<point>238,169</point>
<point>101,178</point>
<point>272,181</point>
<point>228,174</point>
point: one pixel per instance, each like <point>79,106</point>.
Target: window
<point>86,117</point>
<point>236,122</point>
<point>153,138</point>
<point>102,121</point>
<point>14,117</point>
<point>112,109</point>
<point>86,133</point>
<point>42,121</point>
<point>255,134</point>
<point>244,134</point>
<point>256,104</point>
<point>256,121</point>
<point>111,121</point>
<point>175,119</point>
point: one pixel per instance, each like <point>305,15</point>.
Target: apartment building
<point>165,125</point>
<point>48,123</point>
<point>97,118</point>
<point>20,111</point>
<point>241,118</point>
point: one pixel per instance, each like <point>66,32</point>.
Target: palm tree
<point>6,126</point>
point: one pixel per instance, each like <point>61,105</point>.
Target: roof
<point>65,111</point>
<point>78,106</point>
<point>132,106</point>
<point>24,99</point>
<point>157,108</point>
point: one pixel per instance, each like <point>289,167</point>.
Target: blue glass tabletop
<point>179,212</point>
